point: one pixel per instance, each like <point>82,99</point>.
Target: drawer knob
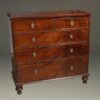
<point>72,23</point>
<point>35,71</point>
<point>34,54</point>
<point>71,68</point>
<point>33,39</point>
<point>32,25</point>
<point>71,36</point>
<point>71,50</point>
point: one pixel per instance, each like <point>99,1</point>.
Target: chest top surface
<point>48,14</point>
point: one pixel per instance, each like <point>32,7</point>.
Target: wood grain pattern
<point>51,52</point>
<point>52,69</point>
<point>60,48</point>
<point>24,40</point>
<point>25,25</point>
<point>63,23</point>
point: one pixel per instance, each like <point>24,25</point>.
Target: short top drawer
<point>31,25</point>
<point>71,22</point>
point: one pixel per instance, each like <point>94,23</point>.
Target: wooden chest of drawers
<point>49,45</point>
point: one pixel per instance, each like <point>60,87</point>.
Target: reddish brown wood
<point>49,24</point>
<point>52,69</point>
<point>24,40</point>
<point>51,52</point>
<point>25,25</point>
<point>64,23</point>
<point>52,32</point>
<point>47,14</point>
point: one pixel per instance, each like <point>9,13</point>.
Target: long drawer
<point>24,40</point>
<point>52,69</point>
<point>52,52</point>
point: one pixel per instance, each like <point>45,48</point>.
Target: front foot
<point>19,90</point>
<point>85,78</point>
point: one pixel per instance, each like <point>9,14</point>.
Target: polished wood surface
<point>47,14</point>
<point>25,26</point>
<point>51,52</point>
<point>52,69</point>
<point>50,24</point>
<point>64,23</point>
<point>24,40</point>
<point>49,45</point>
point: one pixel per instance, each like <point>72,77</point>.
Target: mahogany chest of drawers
<point>49,45</point>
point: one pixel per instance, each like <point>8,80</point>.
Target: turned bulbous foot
<point>85,78</point>
<point>19,90</point>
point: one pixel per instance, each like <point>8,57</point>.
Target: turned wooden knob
<point>34,54</point>
<point>71,68</point>
<point>71,22</point>
<point>71,36</point>
<point>32,25</point>
<point>71,50</point>
<point>33,39</point>
<point>35,71</point>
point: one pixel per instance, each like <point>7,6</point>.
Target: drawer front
<point>31,25</point>
<point>72,22</point>
<point>48,38</point>
<point>51,52</point>
<point>52,69</point>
